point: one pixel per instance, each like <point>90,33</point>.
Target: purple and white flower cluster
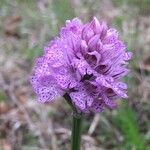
<point>87,62</point>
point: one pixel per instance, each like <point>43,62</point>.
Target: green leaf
<point>126,121</point>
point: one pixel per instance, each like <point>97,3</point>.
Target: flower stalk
<point>76,132</point>
<point>76,125</point>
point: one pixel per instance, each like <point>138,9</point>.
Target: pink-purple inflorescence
<point>86,62</point>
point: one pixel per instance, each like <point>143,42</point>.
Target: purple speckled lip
<point>87,61</point>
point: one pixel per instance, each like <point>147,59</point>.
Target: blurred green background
<point>25,27</point>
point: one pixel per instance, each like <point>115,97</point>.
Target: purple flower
<point>87,62</point>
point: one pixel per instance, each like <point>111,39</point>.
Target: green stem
<point>76,132</point>
<point>76,125</point>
